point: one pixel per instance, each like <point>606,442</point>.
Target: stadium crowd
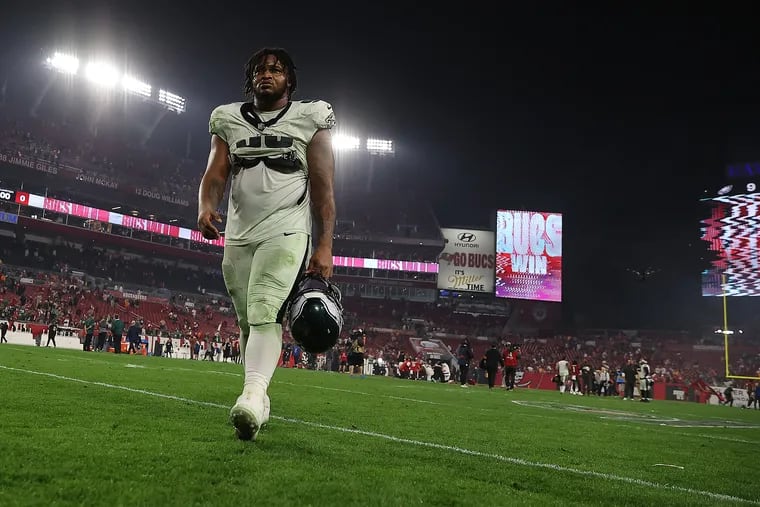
<point>105,157</point>
<point>205,324</point>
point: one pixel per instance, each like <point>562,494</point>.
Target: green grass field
<point>96,429</point>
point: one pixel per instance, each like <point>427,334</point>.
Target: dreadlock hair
<point>258,57</point>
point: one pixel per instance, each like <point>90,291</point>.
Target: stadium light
<point>108,76</point>
<point>102,74</point>
<point>345,143</point>
<point>380,146</point>
<point>134,85</point>
<point>64,63</point>
<point>171,101</point>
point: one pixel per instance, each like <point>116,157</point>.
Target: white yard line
<point>417,443</point>
<point>717,437</point>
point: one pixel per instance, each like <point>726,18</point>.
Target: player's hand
<point>321,262</point>
<point>205,225</point>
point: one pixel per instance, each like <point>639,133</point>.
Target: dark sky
<point>617,117</point>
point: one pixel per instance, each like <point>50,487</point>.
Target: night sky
<point>617,118</point>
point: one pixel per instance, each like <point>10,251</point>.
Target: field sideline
<point>91,429</point>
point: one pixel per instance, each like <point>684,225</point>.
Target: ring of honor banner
<point>529,255</point>
<point>467,261</point>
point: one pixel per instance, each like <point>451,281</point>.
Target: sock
<point>562,389</point>
<point>262,351</point>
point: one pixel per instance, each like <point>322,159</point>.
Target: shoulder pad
<point>220,119</point>
<point>320,112</point>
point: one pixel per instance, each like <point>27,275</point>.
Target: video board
<point>732,233</point>
<point>528,255</point>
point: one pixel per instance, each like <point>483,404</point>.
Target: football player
<point>278,154</point>
<point>575,373</point>
<point>645,381</point>
<point>563,370</point>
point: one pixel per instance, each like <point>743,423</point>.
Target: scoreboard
<point>748,187</point>
<point>14,196</point>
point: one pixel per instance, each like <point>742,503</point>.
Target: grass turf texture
<point>337,440</point>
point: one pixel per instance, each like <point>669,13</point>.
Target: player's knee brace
<point>261,312</point>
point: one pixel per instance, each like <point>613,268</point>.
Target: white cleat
<point>250,413</point>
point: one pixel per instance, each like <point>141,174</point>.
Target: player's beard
<point>267,98</point>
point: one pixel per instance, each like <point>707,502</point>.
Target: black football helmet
<point>315,314</point>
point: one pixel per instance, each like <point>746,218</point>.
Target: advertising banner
<point>10,218</point>
<point>741,397</point>
<point>467,261</point>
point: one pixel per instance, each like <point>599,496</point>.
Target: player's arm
<point>319,157</point>
<point>212,187</point>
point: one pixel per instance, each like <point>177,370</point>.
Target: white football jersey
<point>269,193</point>
<point>563,368</point>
